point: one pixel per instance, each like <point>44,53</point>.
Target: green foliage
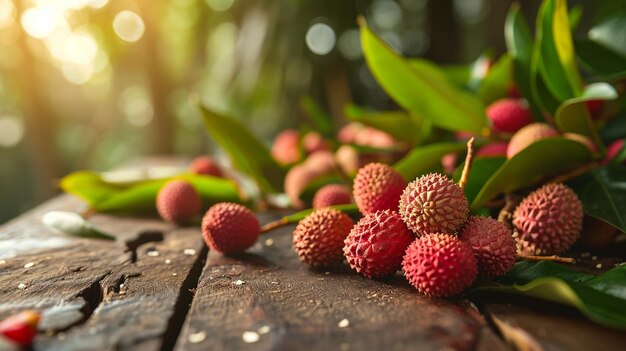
<point>496,84</point>
<point>611,33</point>
<point>425,159</point>
<point>600,298</point>
<point>246,151</point>
<point>401,125</point>
<point>421,87</point>
<point>482,169</point>
<point>140,197</point>
<point>600,59</point>
<point>322,121</point>
<point>349,209</point>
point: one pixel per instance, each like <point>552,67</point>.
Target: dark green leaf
<point>497,82</point>
<point>73,224</point>
<point>520,46</point>
<point>600,59</point>
<point>425,159</point>
<point>603,194</point>
<point>482,169</point>
<point>399,124</point>
<point>322,121</point>
<point>542,159</point>
<point>611,33</point>
<point>421,87</point>
<point>247,153</point>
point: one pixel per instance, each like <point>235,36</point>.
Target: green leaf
<point>294,218</point>
<point>247,153</point>
<point>520,45</point>
<point>600,298</point>
<point>556,59</point>
<point>573,116</point>
<point>496,85</point>
<point>73,224</point>
<point>322,121</point>
<point>611,33</point>
<point>540,160</point>
<point>482,169</point>
<point>600,59</point>
<point>603,194</point>
<point>421,87</point>
<point>140,197</point>
<point>399,124</point>
<point>425,159</point>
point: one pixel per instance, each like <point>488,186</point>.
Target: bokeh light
<point>11,130</point>
<point>320,38</point>
<point>350,44</point>
<point>128,26</point>
<point>386,13</point>
<point>220,5</point>
<point>136,106</point>
<point>7,13</point>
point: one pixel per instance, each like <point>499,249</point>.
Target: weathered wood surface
<point>151,290</point>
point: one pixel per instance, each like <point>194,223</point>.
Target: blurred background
<point>92,84</point>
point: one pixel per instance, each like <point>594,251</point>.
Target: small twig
<point>468,163</point>
<point>506,213</point>
<point>88,212</point>
<point>274,224</point>
<point>553,258</point>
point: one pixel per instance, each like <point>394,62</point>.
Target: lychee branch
<point>468,163</point>
<point>553,258</point>
<point>268,227</point>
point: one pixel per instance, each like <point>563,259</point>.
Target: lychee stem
<point>553,258</point>
<point>506,213</point>
<point>468,163</point>
<point>268,227</point>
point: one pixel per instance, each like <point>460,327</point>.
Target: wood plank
<point>268,294</point>
<point>116,295</point>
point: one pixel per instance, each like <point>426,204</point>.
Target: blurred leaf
<point>73,224</point>
<point>603,194</point>
<point>557,64</point>
<point>296,217</point>
<point>141,197</point>
<point>421,87</point>
<point>458,75</point>
<point>600,298</point>
<point>322,121</point>
<point>615,128</point>
<point>482,169</point>
<point>575,15</point>
<point>544,158</point>
<point>425,159</point>
<point>247,153</point>
<point>496,84</point>
<point>600,59</point>
<point>573,116</point>
<point>399,124</point>
<point>611,33</point>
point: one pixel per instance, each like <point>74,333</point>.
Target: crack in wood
<point>183,302</point>
<point>141,239</point>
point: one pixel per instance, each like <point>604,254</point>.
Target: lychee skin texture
<point>548,221</point>
<point>493,150</point>
<point>205,165</point>
<point>439,265</point>
<point>492,243</point>
<point>178,202</point>
<point>376,244</point>
<point>318,238</point>
<point>508,115</point>
<point>528,135</point>
<point>433,203</point>
<point>286,147</point>
<point>377,187</point>
<point>230,228</point>
<point>332,194</point>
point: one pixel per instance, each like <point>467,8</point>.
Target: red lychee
<point>313,142</point>
<point>377,243</point>
<point>614,149</point>
<point>178,202</point>
<point>318,238</point>
<point>439,265</point>
<point>493,150</point>
<point>508,115</point>
<point>332,194</point>
<point>377,187</point>
<point>433,203</point>
<point>347,158</point>
<point>230,228</point>
<point>528,135</point>
<point>286,147</point>
<point>492,243</point>
<point>548,221</point>
<point>205,165</point>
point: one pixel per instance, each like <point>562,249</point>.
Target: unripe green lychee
<point>377,187</point>
<point>318,238</point>
<point>230,228</point>
<point>528,135</point>
<point>548,221</point>
<point>178,202</point>
<point>492,243</point>
<point>433,203</point>
<point>439,265</point>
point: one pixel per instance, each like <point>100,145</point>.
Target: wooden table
<point>155,288</point>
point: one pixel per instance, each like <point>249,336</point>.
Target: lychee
<point>332,194</point>
<point>230,228</point>
<point>377,187</point>
<point>178,202</point>
<point>433,203</point>
<point>448,162</point>
<point>439,265</point>
<point>614,149</point>
<point>508,115</point>
<point>318,238</point>
<point>528,135</point>
<point>375,138</point>
<point>286,147</point>
<point>548,221</point>
<point>300,176</point>
<point>376,244</point>
<point>493,149</point>
<point>596,233</point>
<point>348,132</point>
<point>313,142</point>
<point>347,158</point>
<point>205,165</point>
<point>581,139</point>
<point>492,244</point>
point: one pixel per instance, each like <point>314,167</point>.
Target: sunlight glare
<point>128,26</point>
